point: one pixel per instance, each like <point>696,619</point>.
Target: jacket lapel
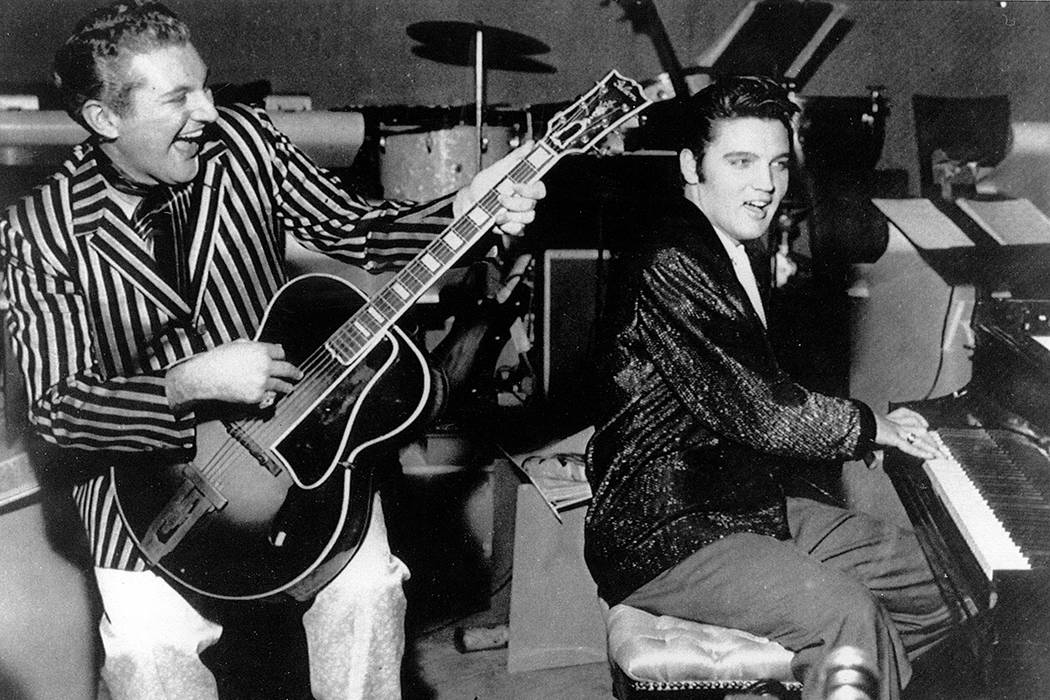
<point>108,231</point>
<point>205,228</point>
<point>710,241</point>
<point>139,269</point>
<point>758,254</point>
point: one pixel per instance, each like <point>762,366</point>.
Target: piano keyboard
<point>972,497</point>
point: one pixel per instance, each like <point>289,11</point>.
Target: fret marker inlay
<point>478,216</point>
<point>453,241</point>
<point>537,158</point>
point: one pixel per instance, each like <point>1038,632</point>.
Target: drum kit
<point>428,151</point>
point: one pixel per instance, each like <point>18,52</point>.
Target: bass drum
<point>437,154</point>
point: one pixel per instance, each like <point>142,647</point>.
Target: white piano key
<point>989,541</point>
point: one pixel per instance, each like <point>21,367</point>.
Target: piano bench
<point>665,657</point>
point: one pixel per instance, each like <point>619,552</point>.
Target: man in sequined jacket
<point>697,425</point>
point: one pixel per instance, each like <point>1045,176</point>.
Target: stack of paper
<point>1010,221</point>
<point>560,478</point>
<point>926,226</point>
<point>557,471</point>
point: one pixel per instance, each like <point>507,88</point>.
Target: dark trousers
<point>844,578</point>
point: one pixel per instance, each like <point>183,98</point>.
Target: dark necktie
<point>155,220</point>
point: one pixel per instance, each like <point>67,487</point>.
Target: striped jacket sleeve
<point>70,403</point>
<point>314,208</point>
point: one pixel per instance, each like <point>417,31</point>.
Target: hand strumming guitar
<point>243,371</point>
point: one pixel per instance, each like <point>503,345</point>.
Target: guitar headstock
<point>610,103</point>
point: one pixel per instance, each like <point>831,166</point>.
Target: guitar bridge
<point>262,456</point>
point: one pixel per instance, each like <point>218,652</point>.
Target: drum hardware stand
<point>494,48</point>
<point>479,90</point>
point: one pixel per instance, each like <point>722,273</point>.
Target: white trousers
<point>355,632</point>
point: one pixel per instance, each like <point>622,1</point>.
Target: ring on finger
<point>267,400</point>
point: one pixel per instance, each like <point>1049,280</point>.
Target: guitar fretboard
<point>375,317</point>
<point>608,104</point>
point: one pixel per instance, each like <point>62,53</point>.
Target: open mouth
<point>189,141</point>
<point>196,135</point>
<point>757,207</point>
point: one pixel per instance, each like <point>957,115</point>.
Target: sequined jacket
<point>695,419</point>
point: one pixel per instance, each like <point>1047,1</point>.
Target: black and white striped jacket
<point>95,325</point>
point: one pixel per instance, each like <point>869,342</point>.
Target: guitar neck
<point>391,302</point>
<point>611,102</point>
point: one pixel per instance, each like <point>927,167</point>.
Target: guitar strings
<point>322,358</point>
<point>320,368</point>
<point>265,432</point>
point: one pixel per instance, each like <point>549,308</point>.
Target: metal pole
<point>479,89</point>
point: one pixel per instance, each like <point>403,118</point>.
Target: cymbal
<point>457,33</point>
<point>452,43</point>
<point>464,56</point>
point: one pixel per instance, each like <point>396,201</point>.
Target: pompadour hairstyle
<point>91,65</point>
<point>734,97</point>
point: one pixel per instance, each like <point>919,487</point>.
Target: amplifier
<point>572,286</point>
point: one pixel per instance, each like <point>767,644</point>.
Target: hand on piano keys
<point>909,432</point>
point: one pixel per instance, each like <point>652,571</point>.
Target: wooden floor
<point>445,674</point>
<point>435,670</point>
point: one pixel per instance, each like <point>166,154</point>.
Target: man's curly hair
<point>91,65</point>
<point>734,97</point>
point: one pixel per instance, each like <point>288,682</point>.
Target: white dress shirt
<point>744,273</point>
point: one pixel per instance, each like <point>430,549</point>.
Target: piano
<point>983,514</point>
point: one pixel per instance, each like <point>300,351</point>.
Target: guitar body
<point>281,517</point>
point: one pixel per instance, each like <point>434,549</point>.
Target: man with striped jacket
<point>118,345</point>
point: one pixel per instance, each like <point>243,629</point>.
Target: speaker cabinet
<point>572,284</point>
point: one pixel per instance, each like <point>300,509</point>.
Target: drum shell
<point>421,165</point>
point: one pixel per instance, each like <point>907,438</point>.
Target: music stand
<point>781,39</point>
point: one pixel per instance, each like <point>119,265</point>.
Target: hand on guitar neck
<point>518,206</point>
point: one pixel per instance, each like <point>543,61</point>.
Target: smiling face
<point>158,136</point>
<point>742,177</point>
